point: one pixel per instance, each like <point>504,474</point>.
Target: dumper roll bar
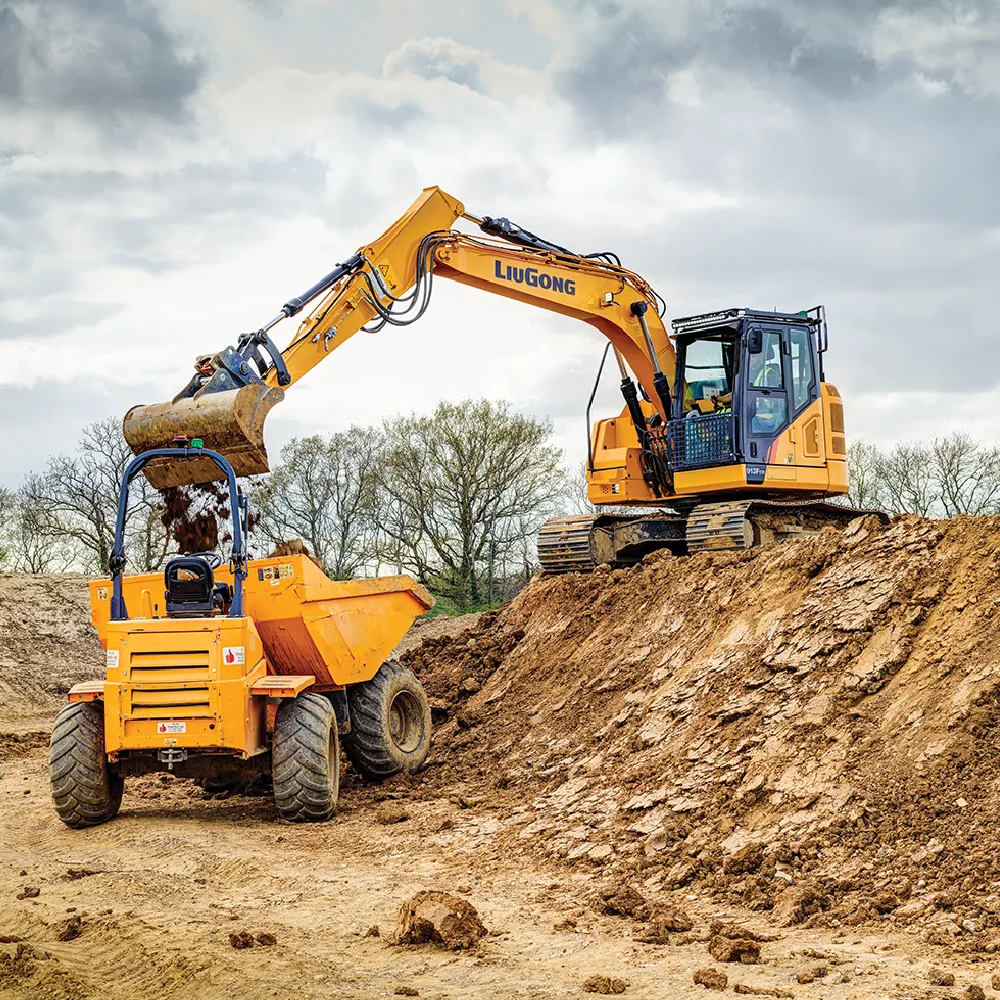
<point>237,559</point>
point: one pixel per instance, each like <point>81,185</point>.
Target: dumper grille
<point>167,684</point>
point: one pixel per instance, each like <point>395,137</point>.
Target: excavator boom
<point>225,404</point>
<point>389,282</point>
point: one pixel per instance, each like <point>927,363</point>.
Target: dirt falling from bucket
<point>192,516</point>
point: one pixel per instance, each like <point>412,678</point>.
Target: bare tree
<point>323,491</point>
<point>34,539</point>
<point>966,475</point>
<point>7,515</point>
<point>906,479</point>
<point>941,478</point>
<point>461,490</point>
<point>79,495</point>
<point>863,464</point>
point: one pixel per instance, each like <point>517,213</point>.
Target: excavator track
<point>744,524</point>
<point>579,543</point>
<point>564,544</point>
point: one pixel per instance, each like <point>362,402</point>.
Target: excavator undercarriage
<point>581,542</point>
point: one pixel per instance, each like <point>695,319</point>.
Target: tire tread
<point>85,792</point>
<point>300,764</point>
<point>369,745</point>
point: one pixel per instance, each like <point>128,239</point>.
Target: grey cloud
<point>391,117</point>
<point>762,39</point>
<point>11,45</point>
<point>204,194</point>
<point>623,69</point>
<point>431,58</point>
<point>83,313</point>
<point>41,261</point>
<point>618,73</point>
<point>105,58</point>
<point>269,8</point>
<point>48,418</point>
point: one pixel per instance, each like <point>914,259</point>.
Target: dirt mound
<point>809,729</point>
<point>47,643</point>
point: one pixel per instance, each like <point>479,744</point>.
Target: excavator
<point>729,436</point>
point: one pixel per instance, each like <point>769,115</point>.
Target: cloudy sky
<point>171,171</point>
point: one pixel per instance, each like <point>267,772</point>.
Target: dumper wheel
<point>390,723</point>
<point>85,790</point>
<point>305,759</point>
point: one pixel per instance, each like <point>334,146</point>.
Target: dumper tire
<point>390,723</point>
<point>85,790</point>
<point>305,759</point>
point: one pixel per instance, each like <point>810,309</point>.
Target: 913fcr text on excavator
<point>731,438</point>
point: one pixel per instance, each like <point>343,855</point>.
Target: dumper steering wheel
<point>213,559</point>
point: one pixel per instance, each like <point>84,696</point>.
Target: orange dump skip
<point>338,631</point>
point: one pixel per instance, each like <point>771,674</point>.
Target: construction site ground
<point>635,773</point>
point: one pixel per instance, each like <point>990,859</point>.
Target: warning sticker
<point>102,593</point>
<point>171,727</point>
<point>283,571</point>
<point>113,659</point>
<point>234,654</point>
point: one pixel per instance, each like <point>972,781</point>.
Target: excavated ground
<point>635,775</point>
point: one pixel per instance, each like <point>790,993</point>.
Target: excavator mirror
<point>755,340</point>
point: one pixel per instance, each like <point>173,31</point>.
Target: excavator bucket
<point>231,423</point>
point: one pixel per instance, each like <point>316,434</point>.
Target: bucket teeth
<point>231,423</point>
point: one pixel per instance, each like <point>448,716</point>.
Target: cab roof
<point>735,318</point>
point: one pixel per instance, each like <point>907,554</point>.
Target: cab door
<point>765,392</point>
<point>805,409</point>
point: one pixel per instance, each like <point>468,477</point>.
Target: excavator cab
<point>745,376</point>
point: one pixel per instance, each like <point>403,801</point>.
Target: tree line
<point>454,497</point>
<point>943,477</point>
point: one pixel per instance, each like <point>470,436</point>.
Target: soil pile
<point>810,729</point>
<point>47,643</point>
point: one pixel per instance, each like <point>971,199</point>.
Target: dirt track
<point>501,814</point>
<point>160,889</point>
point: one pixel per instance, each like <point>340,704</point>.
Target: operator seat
<point>191,591</point>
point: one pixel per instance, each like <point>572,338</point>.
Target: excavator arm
<point>389,282</point>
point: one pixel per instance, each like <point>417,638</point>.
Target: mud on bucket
<point>231,423</point>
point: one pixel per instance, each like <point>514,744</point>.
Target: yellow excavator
<point>732,437</point>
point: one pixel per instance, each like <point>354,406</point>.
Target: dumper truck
<point>223,672</point>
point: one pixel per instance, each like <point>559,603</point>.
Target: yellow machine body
<point>808,460</point>
<point>205,683</point>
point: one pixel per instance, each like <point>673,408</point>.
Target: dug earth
<point>770,774</point>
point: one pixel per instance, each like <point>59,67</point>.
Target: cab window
<point>708,374</point>
<point>800,346</point>
<point>765,366</point>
